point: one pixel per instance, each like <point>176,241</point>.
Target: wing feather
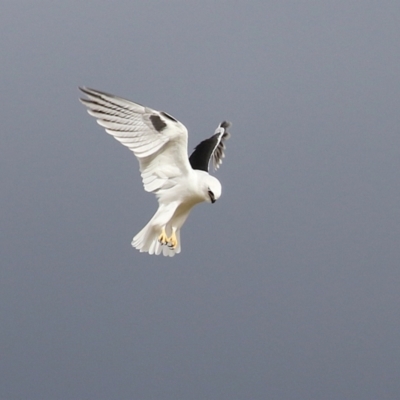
<point>212,148</point>
<point>158,140</point>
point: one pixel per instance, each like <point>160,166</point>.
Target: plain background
<point>286,288</point>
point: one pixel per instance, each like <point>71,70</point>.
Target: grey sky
<point>286,288</point>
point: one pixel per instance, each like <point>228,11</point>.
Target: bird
<point>160,143</point>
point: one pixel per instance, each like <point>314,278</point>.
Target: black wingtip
<point>84,89</point>
<point>89,91</point>
<point>225,124</point>
<point>94,92</point>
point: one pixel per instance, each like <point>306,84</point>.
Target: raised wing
<point>158,140</point>
<point>211,149</point>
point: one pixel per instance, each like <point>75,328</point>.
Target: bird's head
<point>212,189</point>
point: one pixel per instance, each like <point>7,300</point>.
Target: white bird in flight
<point>160,142</point>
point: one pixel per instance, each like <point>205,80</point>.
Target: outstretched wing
<point>157,139</point>
<point>211,149</point>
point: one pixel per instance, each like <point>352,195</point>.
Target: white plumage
<point>159,142</point>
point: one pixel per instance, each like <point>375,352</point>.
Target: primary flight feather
<point>159,142</point>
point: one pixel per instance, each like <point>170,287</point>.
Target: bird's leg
<point>163,238</point>
<point>173,241</point>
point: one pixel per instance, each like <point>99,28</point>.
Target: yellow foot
<point>172,241</point>
<point>163,238</point>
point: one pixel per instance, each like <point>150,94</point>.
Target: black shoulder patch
<point>200,158</point>
<point>158,123</point>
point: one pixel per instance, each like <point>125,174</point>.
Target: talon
<point>163,238</point>
<point>172,241</point>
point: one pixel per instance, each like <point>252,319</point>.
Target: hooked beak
<point>212,197</point>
